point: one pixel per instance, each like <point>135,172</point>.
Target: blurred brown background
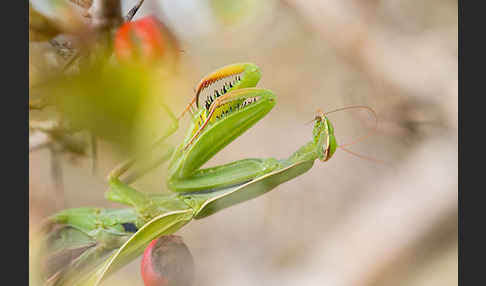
<point>347,221</point>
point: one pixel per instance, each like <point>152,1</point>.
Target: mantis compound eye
<point>331,147</point>
<point>167,261</point>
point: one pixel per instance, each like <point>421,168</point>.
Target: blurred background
<point>347,221</point>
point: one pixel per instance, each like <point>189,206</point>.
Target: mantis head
<point>323,129</point>
<point>324,132</point>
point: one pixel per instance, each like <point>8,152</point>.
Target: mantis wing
<point>207,203</point>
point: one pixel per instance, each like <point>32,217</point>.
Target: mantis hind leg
<point>222,176</point>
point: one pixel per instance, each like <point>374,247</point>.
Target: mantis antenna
<point>373,130</point>
<point>362,156</point>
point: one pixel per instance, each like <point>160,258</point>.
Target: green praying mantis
<point>100,241</point>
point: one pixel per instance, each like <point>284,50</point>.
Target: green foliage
<point>107,102</point>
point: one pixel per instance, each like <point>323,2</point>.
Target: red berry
<point>140,40</point>
<point>167,261</point>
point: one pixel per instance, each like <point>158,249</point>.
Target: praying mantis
<point>100,241</point>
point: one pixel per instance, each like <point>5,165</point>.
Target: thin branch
<point>106,14</point>
<point>70,143</point>
<point>62,49</point>
<point>133,11</point>
<point>57,178</point>
<point>71,61</point>
<point>94,153</point>
<point>45,126</point>
<point>51,131</point>
<point>38,140</point>
<point>37,104</point>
